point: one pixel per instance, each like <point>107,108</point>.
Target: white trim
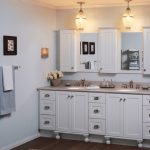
<point>20,142</point>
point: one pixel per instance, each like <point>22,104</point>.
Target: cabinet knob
<point>144,70</point>
<point>46,95</point>
<point>149,131</point>
<point>149,115</point>
<point>96,98</point>
<point>72,96</point>
<point>46,107</point>
<point>124,100</point>
<point>72,68</point>
<point>96,111</point>
<point>46,122</point>
<point>120,99</point>
<point>68,96</point>
<point>96,126</point>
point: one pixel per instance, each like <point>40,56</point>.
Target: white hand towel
<point>8,78</point>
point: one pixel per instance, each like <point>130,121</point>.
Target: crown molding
<point>48,5</point>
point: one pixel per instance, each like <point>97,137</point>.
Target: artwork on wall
<point>91,47</point>
<point>85,48</point>
<point>9,45</point>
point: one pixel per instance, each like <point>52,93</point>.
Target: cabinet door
<point>68,51</point>
<point>146,50</point>
<point>133,116</point>
<point>114,115</point>
<point>63,111</point>
<point>79,112</point>
<point>108,46</point>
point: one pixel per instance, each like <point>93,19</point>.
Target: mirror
<point>88,51</point>
<point>131,51</point>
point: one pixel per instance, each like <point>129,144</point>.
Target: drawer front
<point>146,114</point>
<point>97,126</point>
<point>47,107</point>
<point>146,131</point>
<point>97,97</point>
<point>96,110</point>
<point>146,100</point>
<point>47,95</point>
<point>47,122</point>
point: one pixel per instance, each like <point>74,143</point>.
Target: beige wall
<point>104,17</point>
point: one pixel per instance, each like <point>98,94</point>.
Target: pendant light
<point>128,17</point>
<point>80,17</point>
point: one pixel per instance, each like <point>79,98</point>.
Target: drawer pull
<point>149,131</point>
<point>46,107</point>
<point>149,115</point>
<point>120,99</point>
<point>46,122</point>
<point>96,111</point>
<point>96,98</point>
<point>46,95</point>
<point>149,101</point>
<point>96,126</point>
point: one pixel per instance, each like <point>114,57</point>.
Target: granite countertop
<point>97,90</point>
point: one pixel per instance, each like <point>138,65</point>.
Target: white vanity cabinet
<point>146,50</point>
<point>69,47</point>
<point>47,110</point>
<point>97,113</point>
<point>109,43</point>
<point>146,117</point>
<point>124,116</point>
<point>71,113</point>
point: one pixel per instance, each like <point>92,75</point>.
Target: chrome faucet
<point>131,84</point>
<point>82,82</point>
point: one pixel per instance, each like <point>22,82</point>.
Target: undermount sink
<point>83,87</point>
<point>127,90</point>
<point>75,88</point>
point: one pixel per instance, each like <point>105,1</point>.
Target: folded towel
<point>7,98</point>
<point>8,78</point>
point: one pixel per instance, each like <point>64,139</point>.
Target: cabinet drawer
<point>97,126</point>
<point>146,100</point>
<point>47,95</point>
<point>47,107</point>
<point>47,122</point>
<point>97,97</point>
<point>96,110</point>
<point>146,131</point>
<point>146,114</point>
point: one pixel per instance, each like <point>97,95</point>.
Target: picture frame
<point>85,48</point>
<point>92,48</point>
<point>9,45</point>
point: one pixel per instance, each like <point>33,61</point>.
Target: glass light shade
<point>80,20</point>
<point>128,18</point>
<point>44,52</point>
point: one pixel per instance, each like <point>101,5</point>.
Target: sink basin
<point>76,88</point>
<point>127,90</point>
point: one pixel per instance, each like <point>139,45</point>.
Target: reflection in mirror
<point>131,50</point>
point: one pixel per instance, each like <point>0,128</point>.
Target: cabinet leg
<point>140,143</point>
<point>86,138</point>
<point>107,140</point>
<point>57,135</point>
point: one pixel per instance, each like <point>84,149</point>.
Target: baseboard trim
<point>18,143</point>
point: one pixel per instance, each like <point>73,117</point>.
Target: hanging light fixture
<point>128,17</point>
<point>81,17</point>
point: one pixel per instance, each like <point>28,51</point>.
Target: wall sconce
<point>128,17</point>
<point>80,17</point>
<point>44,52</point>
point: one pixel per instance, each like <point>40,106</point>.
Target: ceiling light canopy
<point>80,17</point>
<point>128,17</point>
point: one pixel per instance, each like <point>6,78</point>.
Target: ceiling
<point>63,4</point>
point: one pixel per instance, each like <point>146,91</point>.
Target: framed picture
<point>85,47</point>
<point>9,45</point>
<point>91,47</point>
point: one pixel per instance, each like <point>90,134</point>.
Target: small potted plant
<point>55,77</point>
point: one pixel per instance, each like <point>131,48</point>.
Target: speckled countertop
<point>97,90</point>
